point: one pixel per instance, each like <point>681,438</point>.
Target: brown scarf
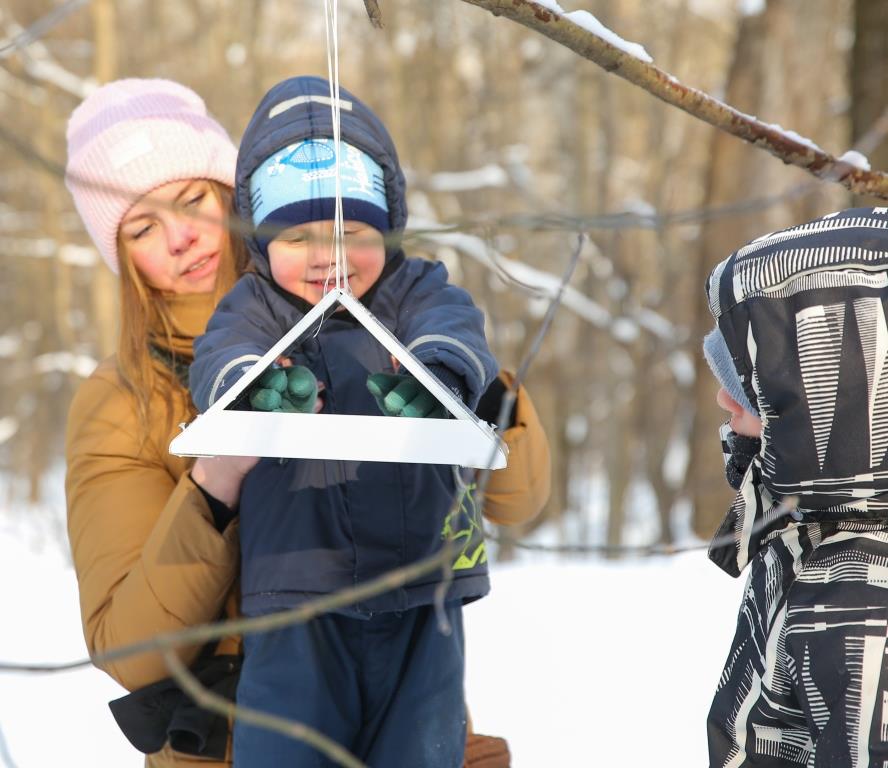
<point>190,314</point>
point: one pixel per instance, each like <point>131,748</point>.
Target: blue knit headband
<point>716,352</point>
<point>298,184</point>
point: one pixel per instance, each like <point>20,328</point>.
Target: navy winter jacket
<point>310,527</point>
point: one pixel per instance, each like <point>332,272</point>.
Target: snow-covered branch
<point>47,247</point>
<point>40,64</point>
<point>624,329</point>
<point>26,37</point>
<point>487,177</point>
<point>581,33</point>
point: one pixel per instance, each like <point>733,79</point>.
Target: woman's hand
<point>222,476</point>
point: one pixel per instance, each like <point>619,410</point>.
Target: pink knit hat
<point>132,136</point>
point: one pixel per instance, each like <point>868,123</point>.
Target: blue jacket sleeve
<point>240,331</point>
<point>441,326</point>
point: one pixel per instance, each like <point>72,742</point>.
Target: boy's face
<point>303,263</point>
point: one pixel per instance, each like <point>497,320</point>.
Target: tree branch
<point>785,145</point>
<point>4,753</point>
<point>624,329</point>
<point>39,63</point>
<point>243,626</point>
<point>374,13</point>
<point>219,704</point>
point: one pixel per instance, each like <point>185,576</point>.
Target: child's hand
<point>288,390</point>
<point>399,394</point>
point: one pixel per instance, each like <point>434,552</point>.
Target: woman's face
<point>175,235</point>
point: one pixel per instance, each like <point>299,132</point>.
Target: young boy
<point>377,677</point>
<point>801,351</point>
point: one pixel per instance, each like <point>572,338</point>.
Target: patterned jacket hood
<point>298,109</point>
<point>803,314</point>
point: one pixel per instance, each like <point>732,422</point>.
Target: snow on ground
<point>577,663</point>
<point>62,718</point>
<point>593,663</point>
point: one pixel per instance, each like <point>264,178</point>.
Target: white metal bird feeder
<point>464,440</point>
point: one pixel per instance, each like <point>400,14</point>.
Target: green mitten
<point>266,393</point>
<point>263,399</point>
<point>399,394</point>
<point>273,378</point>
<point>286,390</point>
<point>302,389</point>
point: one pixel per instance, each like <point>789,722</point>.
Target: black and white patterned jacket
<point>803,314</point>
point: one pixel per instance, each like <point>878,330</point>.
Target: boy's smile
<point>302,258</point>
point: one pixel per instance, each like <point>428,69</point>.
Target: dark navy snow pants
<point>389,689</point>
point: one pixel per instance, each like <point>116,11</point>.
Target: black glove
<point>743,449</point>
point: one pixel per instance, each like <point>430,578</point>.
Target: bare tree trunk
<point>869,63</point>
<point>105,319</point>
<point>769,47</point>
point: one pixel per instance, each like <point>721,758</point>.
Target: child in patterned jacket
<point>801,351</point>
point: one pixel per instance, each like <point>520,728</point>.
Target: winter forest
<point>515,140</point>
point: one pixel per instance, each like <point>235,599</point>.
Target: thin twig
<point>203,633</point>
<point>374,13</point>
<point>39,28</point>
<point>219,704</point>
<point>511,393</point>
<point>874,136</point>
<point>547,222</point>
<point>4,752</point>
<point>785,507</point>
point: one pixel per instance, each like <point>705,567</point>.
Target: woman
<point>154,536</point>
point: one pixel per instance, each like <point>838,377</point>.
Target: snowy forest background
<point>513,145</point>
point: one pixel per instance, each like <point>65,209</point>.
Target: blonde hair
<point>143,307</point>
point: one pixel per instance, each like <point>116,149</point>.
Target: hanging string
<point>331,18</point>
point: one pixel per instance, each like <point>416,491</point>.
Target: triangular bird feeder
<point>464,440</point>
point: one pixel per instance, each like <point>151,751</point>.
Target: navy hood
<point>298,109</point>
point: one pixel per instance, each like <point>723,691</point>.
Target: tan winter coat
<point>518,493</point>
<point>147,555</point>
